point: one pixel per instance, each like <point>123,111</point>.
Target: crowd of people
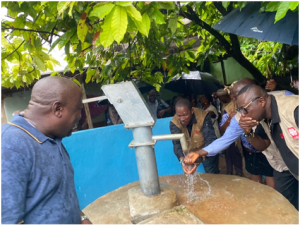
<point>267,125</point>
<point>248,122</point>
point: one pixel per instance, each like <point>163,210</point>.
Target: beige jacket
<point>196,141</point>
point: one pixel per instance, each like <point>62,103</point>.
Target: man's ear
<point>192,110</point>
<point>262,101</point>
<point>57,109</point>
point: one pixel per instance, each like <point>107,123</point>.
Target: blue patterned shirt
<point>37,177</point>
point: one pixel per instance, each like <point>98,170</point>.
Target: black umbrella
<point>248,22</point>
<point>195,82</point>
<point>143,86</point>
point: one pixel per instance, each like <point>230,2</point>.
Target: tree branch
<point>221,9</point>
<point>191,15</point>
<point>13,50</point>
<point>28,72</point>
<point>232,49</point>
<point>30,30</point>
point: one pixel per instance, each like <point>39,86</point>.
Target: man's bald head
<point>239,85</point>
<point>253,101</point>
<point>55,106</point>
<point>50,89</point>
<point>253,90</point>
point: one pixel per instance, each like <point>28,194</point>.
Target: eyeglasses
<point>244,109</point>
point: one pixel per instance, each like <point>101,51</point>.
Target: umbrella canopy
<point>249,23</point>
<point>195,82</point>
<point>144,87</point>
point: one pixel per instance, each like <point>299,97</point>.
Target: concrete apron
<point>232,200</point>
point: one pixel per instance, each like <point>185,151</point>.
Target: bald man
<point>233,130</point>
<point>37,175</point>
<point>277,116</point>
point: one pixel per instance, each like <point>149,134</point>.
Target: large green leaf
<point>71,8</point>
<point>106,37</point>
<point>158,16</point>
<point>119,23</point>
<point>39,63</point>
<point>144,26</point>
<point>89,73</point>
<point>272,6</point>
<point>134,13</point>
<point>124,3</point>
<point>225,4</point>
<point>293,5</point>
<point>173,22</point>
<point>63,40</point>
<point>165,5</point>
<point>282,10</point>
<point>19,22</point>
<point>82,27</point>
<point>100,11</point>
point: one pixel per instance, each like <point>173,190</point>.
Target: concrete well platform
<point>213,199</point>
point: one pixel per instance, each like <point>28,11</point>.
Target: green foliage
<point>281,8</point>
<point>117,41</point>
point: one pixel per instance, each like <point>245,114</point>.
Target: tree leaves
<point>173,22</point>
<point>115,41</point>
<point>63,40</point>
<point>100,11</point>
<point>61,7</point>
<point>106,37</point>
<point>134,13</point>
<point>144,25</point>
<point>82,27</point>
<point>119,23</point>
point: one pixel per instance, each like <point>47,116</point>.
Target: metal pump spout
<point>172,137</point>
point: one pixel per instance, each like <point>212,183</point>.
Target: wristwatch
<point>250,134</point>
<point>84,217</point>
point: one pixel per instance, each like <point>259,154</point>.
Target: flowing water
<point>193,191</point>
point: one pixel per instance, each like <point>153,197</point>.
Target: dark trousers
<point>288,186</point>
<point>210,164</point>
<point>233,158</point>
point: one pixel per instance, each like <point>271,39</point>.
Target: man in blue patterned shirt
<point>37,175</point>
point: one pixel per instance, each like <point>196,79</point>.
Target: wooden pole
<point>86,105</point>
<point>87,109</point>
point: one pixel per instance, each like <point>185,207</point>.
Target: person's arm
<point>231,134</point>
<point>15,173</point>
<point>176,143</point>
<point>161,113</point>
<point>168,109</point>
<point>178,150</point>
<point>259,140</point>
<point>224,126</point>
<point>271,85</point>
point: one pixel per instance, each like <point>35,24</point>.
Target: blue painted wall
<point>103,161</point>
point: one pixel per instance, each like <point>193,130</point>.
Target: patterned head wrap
<point>229,88</point>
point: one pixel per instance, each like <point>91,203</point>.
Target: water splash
<point>209,188</point>
<point>191,192</point>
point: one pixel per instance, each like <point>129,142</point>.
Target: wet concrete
<point>226,200</point>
